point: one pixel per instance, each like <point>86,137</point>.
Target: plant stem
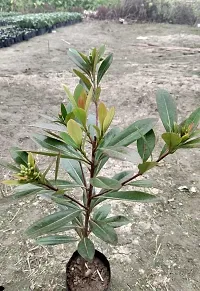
<point>90,191</point>
<point>65,195</point>
<point>133,177</point>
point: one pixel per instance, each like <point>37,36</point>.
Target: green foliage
<point>81,144</point>
<point>41,20</point>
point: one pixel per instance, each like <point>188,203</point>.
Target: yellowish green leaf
<point>108,119</point>
<point>74,130</point>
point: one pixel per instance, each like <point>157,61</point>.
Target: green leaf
<point>104,231</point>
<point>52,222</point>
<point>63,110</point>
<point>105,183</point>
<point>194,143</point>
<point>26,189</point>
<point>70,96</point>
<point>117,221</point>
<point>57,166</point>
<point>134,196</point>
<point>167,109</point>
<point>80,114</point>
<point>78,60</point>
<point>141,183</point>
<point>49,126</point>
<point>104,67</point>
<point>74,170</point>
<point>64,184</point>
<point>102,212</point>
<point>9,166</point>
<point>146,144</point>
<point>172,140</point>
<point>68,140</point>
<point>86,249</point>
<point>55,240</point>
<point>164,150</point>
<point>75,131</point>
<point>123,176</point>
<point>122,153</point>
<point>146,166</point>
<point>83,78</point>
<point>195,133</point>
<point>79,90</point>
<point>133,132</point>
<point>59,199</point>
<point>193,119</point>
<point>56,146</point>
<point>19,156</point>
<point>101,51</point>
<point>108,119</point>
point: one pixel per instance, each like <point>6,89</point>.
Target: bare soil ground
<point>160,249</point>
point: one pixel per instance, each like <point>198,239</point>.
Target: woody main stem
<point>90,191</point>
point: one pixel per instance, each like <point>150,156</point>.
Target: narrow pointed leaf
<point>146,144</point>
<point>141,183</point>
<point>101,51</point>
<point>9,166</point>
<point>194,143</point>
<point>59,199</point>
<point>193,119</point>
<point>84,79</point>
<point>78,60</point>
<point>122,153</point>
<point>106,183</point>
<point>70,96</point>
<point>57,166</point>
<point>63,110</point>
<point>86,249</point>
<point>167,109</point>
<point>26,189</point>
<point>55,240</point>
<point>54,145</point>
<point>123,176</point>
<point>49,126</point>
<point>102,212</point>
<point>104,231</point>
<point>134,196</point>
<point>19,156</point>
<point>133,132</point>
<point>73,169</point>
<point>104,67</point>
<point>52,222</point>
<point>64,184</point>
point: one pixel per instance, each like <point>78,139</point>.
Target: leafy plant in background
<point>81,141</point>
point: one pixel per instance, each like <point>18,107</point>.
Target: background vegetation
<point>173,11</point>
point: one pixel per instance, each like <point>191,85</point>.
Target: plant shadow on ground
<point>160,249</point>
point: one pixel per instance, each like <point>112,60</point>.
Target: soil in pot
<point>88,276</point>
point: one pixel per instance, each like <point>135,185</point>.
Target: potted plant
<point>81,143</point>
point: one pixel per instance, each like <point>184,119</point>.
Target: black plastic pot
<point>98,255</point>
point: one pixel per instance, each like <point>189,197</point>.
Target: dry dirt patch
<point>160,249</point>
